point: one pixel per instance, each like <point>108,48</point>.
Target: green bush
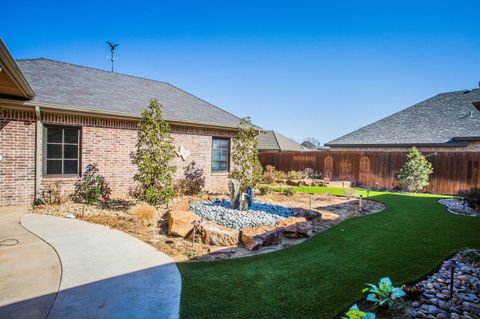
<point>94,183</point>
<point>264,190</point>
<point>289,191</point>
<point>472,197</point>
<point>415,173</point>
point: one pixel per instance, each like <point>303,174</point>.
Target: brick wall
<point>17,163</point>
<point>108,143</point>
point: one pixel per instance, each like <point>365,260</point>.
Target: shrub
<point>291,175</point>
<point>93,183</point>
<point>471,256</point>
<point>264,190</point>
<point>52,193</point>
<point>193,181</point>
<point>415,173</point>
<point>269,169</point>
<point>472,197</point>
<point>145,213</point>
<point>268,178</point>
<point>385,294</point>
<point>153,156</point>
<point>349,193</point>
<point>355,313</point>
<point>289,191</point>
<point>246,165</point>
<point>311,173</point>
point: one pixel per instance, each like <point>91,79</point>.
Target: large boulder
<point>181,222</point>
<point>295,227</point>
<point>254,238</point>
<point>214,234</point>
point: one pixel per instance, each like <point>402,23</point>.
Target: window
<point>62,149</point>
<point>220,154</point>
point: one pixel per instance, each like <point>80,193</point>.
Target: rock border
<point>453,206</point>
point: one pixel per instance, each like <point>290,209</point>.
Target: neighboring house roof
<point>274,141</point>
<point>448,119</point>
<point>62,84</point>
<point>309,145</point>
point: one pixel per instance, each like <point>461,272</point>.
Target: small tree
<point>414,174</point>
<point>153,157</point>
<point>246,165</point>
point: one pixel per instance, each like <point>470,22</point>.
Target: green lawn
<point>325,274</point>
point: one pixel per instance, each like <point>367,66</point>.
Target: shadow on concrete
<point>146,293</point>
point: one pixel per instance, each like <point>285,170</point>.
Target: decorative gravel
<point>456,206</point>
<point>435,301</point>
<point>258,214</point>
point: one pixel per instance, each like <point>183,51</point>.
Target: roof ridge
<point>132,76</point>
<point>95,69</point>
<point>276,139</point>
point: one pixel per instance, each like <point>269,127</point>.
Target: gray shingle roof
<point>70,85</point>
<point>274,141</point>
<point>446,118</point>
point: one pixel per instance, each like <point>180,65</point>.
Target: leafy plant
<point>52,193</point>
<point>472,197</point>
<point>246,165</point>
<point>471,256</point>
<point>92,187</point>
<point>415,173</point>
<point>311,173</point>
<point>289,191</point>
<point>193,181</point>
<point>264,190</point>
<point>385,294</point>
<point>355,313</point>
<point>412,291</point>
<point>153,157</point>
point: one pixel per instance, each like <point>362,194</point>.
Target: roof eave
<point>448,144</point>
<point>11,68</point>
<point>121,115</point>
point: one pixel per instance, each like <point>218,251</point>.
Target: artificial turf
<point>324,275</point>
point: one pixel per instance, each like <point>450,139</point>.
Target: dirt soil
<point>115,214</point>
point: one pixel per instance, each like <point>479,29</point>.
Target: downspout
<point>38,155</point>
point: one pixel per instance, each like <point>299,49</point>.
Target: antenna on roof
<point>112,48</point>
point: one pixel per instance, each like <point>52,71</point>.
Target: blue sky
<point>303,68</point>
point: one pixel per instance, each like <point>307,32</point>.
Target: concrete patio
<point>98,273</point>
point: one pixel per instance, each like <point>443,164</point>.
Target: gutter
<point>110,114</point>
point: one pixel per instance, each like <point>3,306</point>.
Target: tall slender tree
<point>246,165</point>
<point>153,157</point>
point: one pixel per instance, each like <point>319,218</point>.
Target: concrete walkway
<point>105,273</point>
<point>30,270</point>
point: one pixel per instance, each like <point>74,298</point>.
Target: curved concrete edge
<point>30,271</point>
<point>107,273</point>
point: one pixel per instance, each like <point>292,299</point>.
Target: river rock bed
<point>435,302</point>
<point>259,214</point>
<point>457,206</point>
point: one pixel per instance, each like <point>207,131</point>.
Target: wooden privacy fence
<point>452,171</point>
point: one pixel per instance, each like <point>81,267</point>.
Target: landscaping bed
<point>284,221</point>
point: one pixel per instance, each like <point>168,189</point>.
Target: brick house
<point>56,118</point>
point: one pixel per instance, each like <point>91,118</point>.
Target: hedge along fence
<point>453,171</point>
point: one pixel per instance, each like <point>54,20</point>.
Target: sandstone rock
<point>295,227</point>
<point>181,222</point>
<point>253,238</point>
<point>214,234</point>
<point>182,205</point>
<point>310,215</point>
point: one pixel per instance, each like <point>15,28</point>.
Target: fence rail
<point>452,171</point>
